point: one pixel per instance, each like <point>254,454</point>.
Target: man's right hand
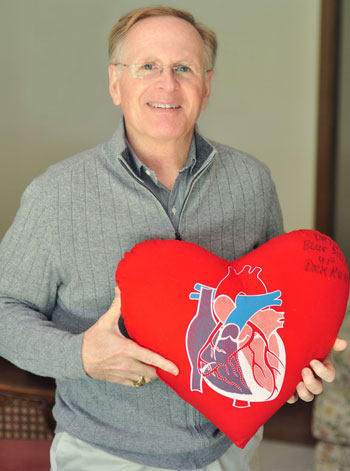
<point>108,355</point>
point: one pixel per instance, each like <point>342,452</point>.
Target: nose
<point>167,79</point>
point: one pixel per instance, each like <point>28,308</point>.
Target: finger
<point>116,301</point>
<point>293,399</point>
<point>134,378</point>
<point>128,382</point>
<point>111,318</point>
<point>312,384</point>
<point>325,370</point>
<point>140,369</point>
<point>128,372</point>
<point>340,344</point>
<point>132,369</point>
<point>150,358</point>
<point>121,380</point>
<point>113,312</point>
<point>304,393</point>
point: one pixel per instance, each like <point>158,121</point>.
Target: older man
<point>156,178</point>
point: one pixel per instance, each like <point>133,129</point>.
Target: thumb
<point>340,345</point>
<point>113,312</point>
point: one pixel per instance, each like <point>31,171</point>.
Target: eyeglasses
<point>151,70</point>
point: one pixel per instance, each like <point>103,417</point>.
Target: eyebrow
<point>154,59</point>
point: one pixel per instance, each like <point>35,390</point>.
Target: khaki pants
<point>71,454</point>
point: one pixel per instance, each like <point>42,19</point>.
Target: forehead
<point>164,37</point>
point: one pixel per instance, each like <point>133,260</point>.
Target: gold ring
<point>139,382</point>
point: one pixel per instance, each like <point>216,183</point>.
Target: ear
<point>207,88</point>
<point>114,88</point>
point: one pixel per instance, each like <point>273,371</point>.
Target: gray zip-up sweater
<point>57,265</point>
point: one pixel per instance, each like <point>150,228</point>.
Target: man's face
<point>167,41</point>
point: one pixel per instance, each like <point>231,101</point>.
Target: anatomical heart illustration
<point>240,331</point>
<point>232,341</point>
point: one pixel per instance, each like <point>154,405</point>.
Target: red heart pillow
<point>240,332</point>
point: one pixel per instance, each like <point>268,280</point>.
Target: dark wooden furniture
<point>16,380</point>
<point>291,423</point>
<point>26,402</point>
<point>26,422</point>
<point>25,455</point>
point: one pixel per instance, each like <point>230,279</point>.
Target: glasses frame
<point>160,69</point>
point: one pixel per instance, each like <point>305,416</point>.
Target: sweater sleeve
<point>274,214</point>
<point>29,280</point>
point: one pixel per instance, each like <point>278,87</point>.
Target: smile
<point>164,106</point>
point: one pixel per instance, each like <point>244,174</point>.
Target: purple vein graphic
<point>200,328</point>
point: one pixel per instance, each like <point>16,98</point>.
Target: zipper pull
<point>177,235</point>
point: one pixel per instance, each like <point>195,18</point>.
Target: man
<point>156,178</point>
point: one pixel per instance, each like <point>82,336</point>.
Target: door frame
<point>327,115</point>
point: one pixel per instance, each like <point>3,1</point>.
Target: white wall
<point>342,196</point>
<point>55,99</point>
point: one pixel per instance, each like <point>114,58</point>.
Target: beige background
<point>55,102</point>
<point>342,196</point>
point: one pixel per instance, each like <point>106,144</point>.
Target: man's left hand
<point>313,377</point>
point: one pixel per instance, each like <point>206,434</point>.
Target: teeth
<point>162,105</point>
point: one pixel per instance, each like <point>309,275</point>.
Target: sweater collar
<point>118,146</point>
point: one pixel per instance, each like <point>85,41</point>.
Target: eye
<point>182,68</point>
<point>148,66</point>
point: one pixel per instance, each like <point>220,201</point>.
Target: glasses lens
<point>147,70</point>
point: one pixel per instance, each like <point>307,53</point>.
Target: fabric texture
<point>57,264</point>
<point>71,454</point>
